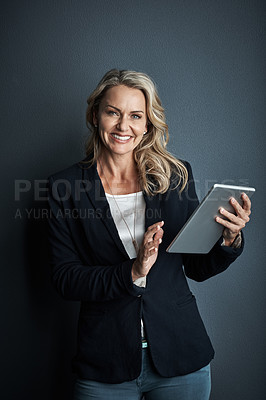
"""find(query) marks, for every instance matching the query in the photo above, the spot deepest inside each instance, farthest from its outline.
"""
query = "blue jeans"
(194, 386)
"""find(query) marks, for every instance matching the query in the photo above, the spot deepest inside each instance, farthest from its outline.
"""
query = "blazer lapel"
(93, 188)
(152, 212)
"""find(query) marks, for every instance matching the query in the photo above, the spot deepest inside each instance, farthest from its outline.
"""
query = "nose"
(122, 124)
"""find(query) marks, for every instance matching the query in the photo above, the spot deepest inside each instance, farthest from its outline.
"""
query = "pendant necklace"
(133, 238)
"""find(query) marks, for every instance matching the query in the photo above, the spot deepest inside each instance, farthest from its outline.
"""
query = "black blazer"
(90, 264)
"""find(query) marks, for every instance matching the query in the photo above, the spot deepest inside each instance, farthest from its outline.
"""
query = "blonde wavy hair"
(156, 166)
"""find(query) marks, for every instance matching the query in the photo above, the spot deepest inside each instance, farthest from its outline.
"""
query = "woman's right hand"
(148, 251)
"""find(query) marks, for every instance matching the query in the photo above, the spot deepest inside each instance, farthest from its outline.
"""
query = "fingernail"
(232, 200)
(160, 240)
(221, 210)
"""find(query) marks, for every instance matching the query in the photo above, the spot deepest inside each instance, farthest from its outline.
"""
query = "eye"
(113, 113)
(136, 116)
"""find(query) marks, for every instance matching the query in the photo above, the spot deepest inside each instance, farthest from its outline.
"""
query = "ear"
(146, 125)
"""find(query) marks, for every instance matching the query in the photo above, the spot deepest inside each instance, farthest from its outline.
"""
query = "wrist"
(134, 272)
(228, 242)
(235, 242)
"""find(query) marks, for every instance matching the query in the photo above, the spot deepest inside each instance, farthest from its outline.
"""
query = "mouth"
(120, 138)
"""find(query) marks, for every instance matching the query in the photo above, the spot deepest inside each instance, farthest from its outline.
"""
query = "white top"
(127, 204)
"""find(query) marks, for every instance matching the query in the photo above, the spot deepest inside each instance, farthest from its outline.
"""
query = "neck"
(119, 167)
(118, 173)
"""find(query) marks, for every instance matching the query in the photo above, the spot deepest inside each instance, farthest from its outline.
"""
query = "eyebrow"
(118, 109)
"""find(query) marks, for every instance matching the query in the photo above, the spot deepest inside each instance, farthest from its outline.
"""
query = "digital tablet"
(201, 231)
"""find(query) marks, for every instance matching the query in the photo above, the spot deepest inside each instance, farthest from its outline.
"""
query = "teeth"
(120, 137)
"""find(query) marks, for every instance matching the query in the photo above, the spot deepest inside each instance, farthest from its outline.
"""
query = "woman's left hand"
(234, 223)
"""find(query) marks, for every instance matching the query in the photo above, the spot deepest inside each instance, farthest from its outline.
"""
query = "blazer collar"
(93, 188)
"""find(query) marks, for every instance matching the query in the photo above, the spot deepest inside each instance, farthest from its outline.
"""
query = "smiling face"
(121, 119)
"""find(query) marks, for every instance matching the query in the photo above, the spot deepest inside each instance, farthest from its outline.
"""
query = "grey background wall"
(208, 59)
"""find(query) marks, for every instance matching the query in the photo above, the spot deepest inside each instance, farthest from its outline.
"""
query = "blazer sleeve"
(74, 280)
(200, 267)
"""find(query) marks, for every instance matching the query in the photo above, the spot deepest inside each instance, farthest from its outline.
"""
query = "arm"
(74, 280)
(200, 267)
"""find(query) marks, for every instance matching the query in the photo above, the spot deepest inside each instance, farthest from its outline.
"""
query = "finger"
(158, 235)
(234, 218)
(149, 246)
(235, 228)
(246, 203)
(151, 231)
(152, 244)
(238, 209)
(149, 250)
(160, 223)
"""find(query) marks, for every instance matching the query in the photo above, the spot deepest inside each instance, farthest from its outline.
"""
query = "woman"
(113, 216)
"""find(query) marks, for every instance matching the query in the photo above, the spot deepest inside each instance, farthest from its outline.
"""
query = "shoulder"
(175, 176)
(71, 173)
(189, 191)
(187, 165)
